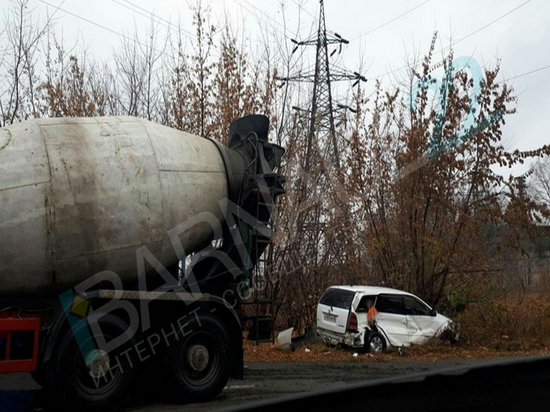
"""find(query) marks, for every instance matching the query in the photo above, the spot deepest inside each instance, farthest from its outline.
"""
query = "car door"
(422, 324)
(392, 319)
(333, 309)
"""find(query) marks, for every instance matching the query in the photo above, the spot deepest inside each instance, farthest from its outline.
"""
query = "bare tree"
(539, 182)
(18, 99)
(131, 75)
(200, 86)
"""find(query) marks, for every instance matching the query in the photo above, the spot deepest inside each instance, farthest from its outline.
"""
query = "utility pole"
(319, 188)
(321, 114)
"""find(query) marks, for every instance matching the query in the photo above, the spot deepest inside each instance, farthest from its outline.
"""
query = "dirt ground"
(263, 380)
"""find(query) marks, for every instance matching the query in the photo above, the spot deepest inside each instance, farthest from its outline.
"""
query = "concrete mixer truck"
(124, 242)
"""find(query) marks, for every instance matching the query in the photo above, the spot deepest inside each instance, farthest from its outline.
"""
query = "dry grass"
(520, 322)
(319, 352)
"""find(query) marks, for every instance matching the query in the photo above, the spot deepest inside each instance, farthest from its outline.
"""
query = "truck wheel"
(197, 359)
(103, 384)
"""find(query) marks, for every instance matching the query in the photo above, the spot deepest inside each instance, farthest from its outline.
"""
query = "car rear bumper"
(353, 339)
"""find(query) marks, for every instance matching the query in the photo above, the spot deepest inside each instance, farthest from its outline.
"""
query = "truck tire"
(100, 386)
(197, 361)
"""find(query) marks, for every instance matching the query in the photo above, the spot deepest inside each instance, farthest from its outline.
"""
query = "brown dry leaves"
(430, 352)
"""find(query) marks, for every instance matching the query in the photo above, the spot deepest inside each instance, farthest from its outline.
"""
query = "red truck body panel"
(12, 329)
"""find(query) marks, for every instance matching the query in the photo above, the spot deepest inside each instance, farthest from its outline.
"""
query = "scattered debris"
(287, 343)
(284, 339)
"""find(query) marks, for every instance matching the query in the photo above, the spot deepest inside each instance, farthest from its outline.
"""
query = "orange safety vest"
(371, 314)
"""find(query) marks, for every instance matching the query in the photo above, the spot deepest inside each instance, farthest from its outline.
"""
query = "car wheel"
(376, 343)
(197, 361)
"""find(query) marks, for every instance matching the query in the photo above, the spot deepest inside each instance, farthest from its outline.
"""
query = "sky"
(382, 34)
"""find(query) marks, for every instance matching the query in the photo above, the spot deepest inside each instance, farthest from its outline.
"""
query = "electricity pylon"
(321, 114)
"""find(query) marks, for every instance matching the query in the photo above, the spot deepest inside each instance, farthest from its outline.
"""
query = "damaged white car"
(400, 318)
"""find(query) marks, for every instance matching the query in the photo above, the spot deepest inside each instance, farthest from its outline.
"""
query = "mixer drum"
(81, 195)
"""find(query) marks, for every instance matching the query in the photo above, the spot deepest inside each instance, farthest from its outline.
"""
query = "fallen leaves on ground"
(319, 352)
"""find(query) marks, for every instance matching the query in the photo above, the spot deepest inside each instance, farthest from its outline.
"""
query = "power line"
(152, 16)
(391, 21)
(122, 36)
(494, 21)
(271, 18)
(526, 73)
(263, 12)
(307, 12)
(310, 14)
(83, 18)
(377, 28)
(167, 24)
(268, 16)
(459, 40)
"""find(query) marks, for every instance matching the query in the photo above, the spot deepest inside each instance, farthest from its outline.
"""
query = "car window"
(362, 306)
(328, 297)
(338, 298)
(413, 306)
(390, 304)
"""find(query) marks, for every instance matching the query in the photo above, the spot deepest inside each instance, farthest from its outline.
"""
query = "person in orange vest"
(371, 313)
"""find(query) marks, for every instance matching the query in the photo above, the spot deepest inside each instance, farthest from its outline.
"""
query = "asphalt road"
(263, 380)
